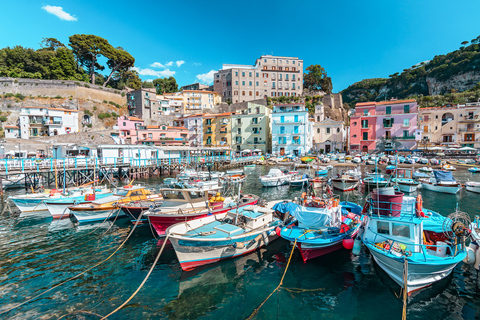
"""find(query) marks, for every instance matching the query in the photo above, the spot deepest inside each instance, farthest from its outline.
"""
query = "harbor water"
(37, 253)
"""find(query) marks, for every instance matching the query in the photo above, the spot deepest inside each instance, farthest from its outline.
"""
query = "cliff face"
(458, 70)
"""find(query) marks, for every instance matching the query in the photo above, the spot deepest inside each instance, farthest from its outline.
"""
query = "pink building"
(388, 125)
(362, 128)
(127, 126)
(160, 135)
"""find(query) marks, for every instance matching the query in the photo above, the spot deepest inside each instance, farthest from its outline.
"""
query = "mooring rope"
(255, 312)
(76, 276)
(143, 282)
(405, 289)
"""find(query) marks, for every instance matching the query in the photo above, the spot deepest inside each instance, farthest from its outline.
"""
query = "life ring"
(128, 187)
(366, 207)
(419, 207)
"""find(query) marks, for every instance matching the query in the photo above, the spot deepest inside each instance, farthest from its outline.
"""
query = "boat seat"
(228, 229)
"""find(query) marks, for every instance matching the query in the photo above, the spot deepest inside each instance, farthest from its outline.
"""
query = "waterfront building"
(292, 131)
(194, 124)
(457, 126)
(127, 126)
(143, 103)
(386, 125)
(251, 128)
(42, 121)
(196, 86)
(217, 130)
(195, 101)
(328, 135)
(270, 76)
(162, 135)
(12, 132)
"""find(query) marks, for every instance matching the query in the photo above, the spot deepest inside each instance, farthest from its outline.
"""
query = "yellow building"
(200, 100)
(217, 130)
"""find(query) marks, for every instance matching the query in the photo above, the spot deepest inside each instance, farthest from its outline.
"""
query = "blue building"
(292, 131)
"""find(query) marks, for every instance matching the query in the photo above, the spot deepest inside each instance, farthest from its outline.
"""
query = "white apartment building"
(270, 76)
(41, 121)
(328, 135)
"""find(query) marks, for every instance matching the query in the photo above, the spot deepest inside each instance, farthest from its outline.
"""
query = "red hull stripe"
(189, 265)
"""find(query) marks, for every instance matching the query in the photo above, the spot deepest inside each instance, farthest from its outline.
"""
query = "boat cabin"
(252, 217)
(134, 192)
(175, 197)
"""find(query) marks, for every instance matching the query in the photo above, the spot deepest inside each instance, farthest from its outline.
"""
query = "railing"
(471, 129)
(407, 137)
(15, 166)
(287, 121)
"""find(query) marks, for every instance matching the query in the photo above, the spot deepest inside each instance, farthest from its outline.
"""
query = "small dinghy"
(474, 169)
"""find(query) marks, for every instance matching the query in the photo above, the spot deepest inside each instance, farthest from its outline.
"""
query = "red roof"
(14, 127)
(178, 128)
(152, 127)
(135, 119)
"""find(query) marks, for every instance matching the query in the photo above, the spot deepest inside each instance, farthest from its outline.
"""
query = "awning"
(467, 149)
(247, 150)
(257, 150)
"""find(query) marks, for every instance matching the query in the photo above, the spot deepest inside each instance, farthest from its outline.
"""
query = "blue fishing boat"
(376, 181)
(414, 246)
(323, 226)
(474, 169)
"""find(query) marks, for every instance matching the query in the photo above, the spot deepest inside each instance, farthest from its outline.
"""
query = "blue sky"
(352, 40)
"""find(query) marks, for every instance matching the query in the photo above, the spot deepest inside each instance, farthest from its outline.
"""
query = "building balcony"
(253, 142)
(287, 121)
(53, 123)
(468, 118)
(367, 127)
(407, 137)
(468, 129)
(388, 125)
(208, 132)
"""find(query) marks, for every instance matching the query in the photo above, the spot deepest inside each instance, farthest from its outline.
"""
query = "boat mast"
(238, 201)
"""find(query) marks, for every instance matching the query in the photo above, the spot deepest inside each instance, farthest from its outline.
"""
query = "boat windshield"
(121, 192)
(172, 194)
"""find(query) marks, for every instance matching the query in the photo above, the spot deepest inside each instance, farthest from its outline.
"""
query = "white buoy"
(470, 257)
(476, 265)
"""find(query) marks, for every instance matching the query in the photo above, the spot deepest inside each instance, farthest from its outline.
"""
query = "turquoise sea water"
(37, 252)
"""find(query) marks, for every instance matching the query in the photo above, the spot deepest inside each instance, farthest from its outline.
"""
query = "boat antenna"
(238, 201)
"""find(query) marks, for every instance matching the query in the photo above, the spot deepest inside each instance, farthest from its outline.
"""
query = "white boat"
(226, 235)
(299, 180)
(36, 201)
(442, 181)
(449, 167)
(473, 186)
(398, 232)
(423, 161)
(235, 171)
(404, 180)
(274, 178)
(357, 160)
(425, 169)
(345, 183)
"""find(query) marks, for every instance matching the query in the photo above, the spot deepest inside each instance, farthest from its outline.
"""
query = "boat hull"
(409, 188)
(269, 182)
(442, 189)
(473, 188)
(309, 252)
(59, 209)
(30, 205)
(87, 216)
(419, 275)
(345, 185)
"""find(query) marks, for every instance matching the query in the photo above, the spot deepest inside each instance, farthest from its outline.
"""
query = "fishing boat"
(321, 171)
(404, 181)
(418, 175)
(59, 208)
(222, 236)
(423, 161)
(390, 169)
(179, 206)
(299, 180)
(323, 226)
(442, 181)
(134, 209)
(449, 167)
(36, 201)
(425, 169)
(307, 159)
(473, 186)
(434, 161)
(235, 171)
(357, 160)
(347, 177)
(103, 209)
(474, 169)
(275, 177)
(249, 166)
(376, 181)
(169, 182)
(414, 246)
(234, 178)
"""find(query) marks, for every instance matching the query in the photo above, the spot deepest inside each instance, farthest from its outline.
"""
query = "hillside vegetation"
(450, 78)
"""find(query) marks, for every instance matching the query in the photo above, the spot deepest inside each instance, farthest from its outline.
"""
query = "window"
(286, 69)
(365, 136)
(257, 93)
(383, 227)
(286, 77)
(239, 130)
(295, 119)
(236, 73)
(249, 74)
(236, 83)
(256, 83)
(273, 85)
(243, 93)
(365, 112)
(256, 130)
(243, 74)
(318, 130)
(235, 93)
(150, 136)
(388, 110)
(250, 83)
(124, 124)
(280, 68)
(243, 83)
(250, 93)
(400, 230)
(387, 122)
(293, 69)
(273, 68)
(293, 77)
(406, 108)
(282, 129)
(295, 129)
(425, 118)
(364, 124)
(256, 74)
(279, 76)
(338, 130)
(328, 130)
(406, 123)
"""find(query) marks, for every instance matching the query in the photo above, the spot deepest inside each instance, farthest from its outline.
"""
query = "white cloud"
(197, 64)
(155, 73)
(169, 64)
(179, 63)
(58, 11)
(157, 65)
(206, 78)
